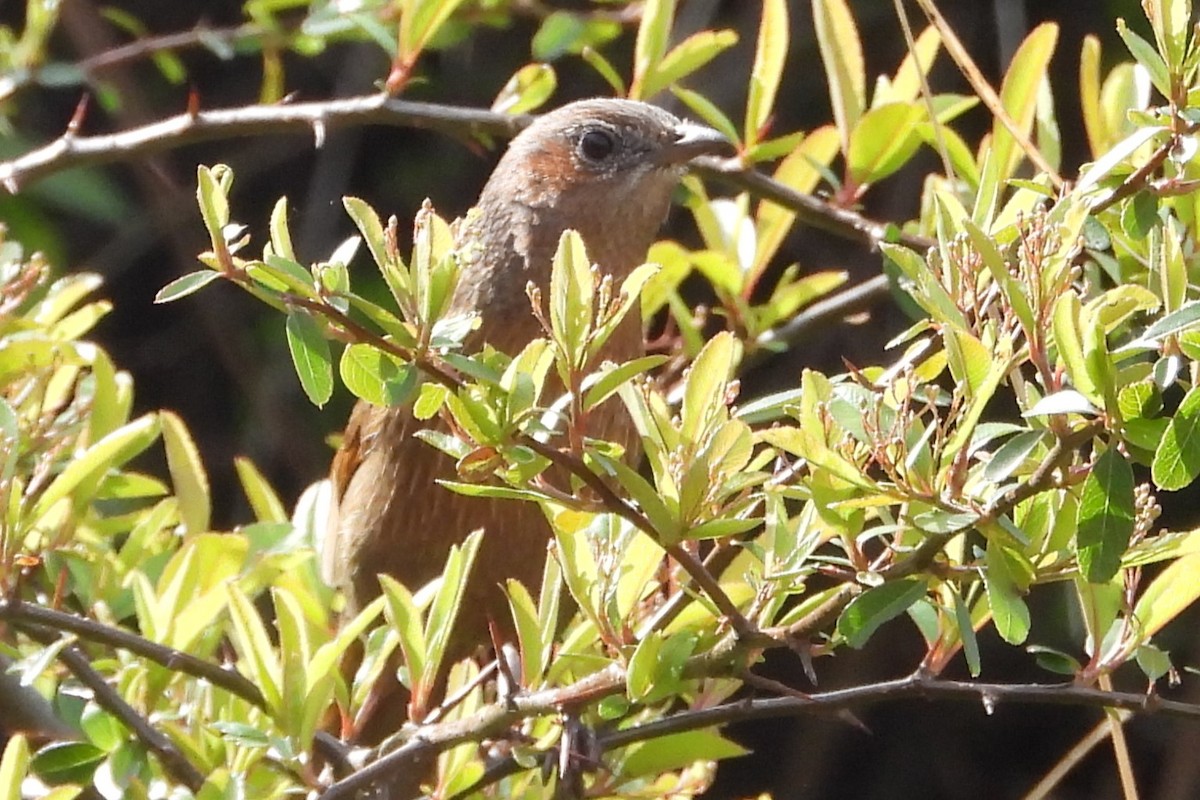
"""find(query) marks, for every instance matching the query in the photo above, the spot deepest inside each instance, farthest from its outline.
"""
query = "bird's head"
(603, 167)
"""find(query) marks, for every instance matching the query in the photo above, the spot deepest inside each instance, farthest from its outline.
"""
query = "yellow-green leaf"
(841, 52)
(1019, 94)
(765, 74)
(187, 473)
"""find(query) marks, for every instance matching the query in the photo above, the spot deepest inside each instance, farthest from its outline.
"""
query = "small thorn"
(77, 118)
(193, 103)
(318, 127)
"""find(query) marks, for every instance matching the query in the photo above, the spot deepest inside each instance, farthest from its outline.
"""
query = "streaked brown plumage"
(606, 168)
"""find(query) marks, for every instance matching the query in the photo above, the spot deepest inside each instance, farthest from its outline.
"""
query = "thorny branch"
(917, 685)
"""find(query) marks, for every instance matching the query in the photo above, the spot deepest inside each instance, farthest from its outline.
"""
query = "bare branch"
(917, 685)
(68, 151)
(22, 613)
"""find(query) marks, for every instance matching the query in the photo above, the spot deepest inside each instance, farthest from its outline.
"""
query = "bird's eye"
(596, 144)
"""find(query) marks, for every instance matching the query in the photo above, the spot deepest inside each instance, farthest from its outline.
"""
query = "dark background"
(219, 359)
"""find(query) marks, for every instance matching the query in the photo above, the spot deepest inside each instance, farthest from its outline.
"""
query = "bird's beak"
(693, 140)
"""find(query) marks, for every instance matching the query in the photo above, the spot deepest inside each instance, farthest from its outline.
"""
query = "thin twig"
(984, 90)
(21, 613)
(110, 700)
(816, 317)
(810, 210)
(1072, 757)
(432, 739)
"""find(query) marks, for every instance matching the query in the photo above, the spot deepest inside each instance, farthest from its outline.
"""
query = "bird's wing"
(362, 479)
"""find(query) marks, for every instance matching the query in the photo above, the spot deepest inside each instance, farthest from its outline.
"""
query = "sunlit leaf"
(310, 356)
(874, 607)
(1106, 515)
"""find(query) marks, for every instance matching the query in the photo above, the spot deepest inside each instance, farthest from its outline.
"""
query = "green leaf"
(1139, 215)
(1171, 592)
(882, 141)
(13, 767)
(801, 171)
(1089, 94)
(841, 52)
(1103, 166)
(281, 237)
(927, 291)
(1009, 612)
(211, 187)
(1153, 662)
(377, 377)
(529, 88)
(263, 500)
(708, 111)
(185, 285)
(605, 69)
(675, 751)
(563, 32)
(405, 618)
(1182, 319)
(966, 633)
(1019, 94)
(102, 728)
(446, 603)
(1067, 401)
(1148, 57)
(310, 356)
(530, 635)
(421, 22)
(906, 85)
(1117, 305)
(865, 613)
(769, 56)
(704, 395)
(187, 473)
(601, 385)
(969, 359)
(112, 451)
(1106, 516)
(253, 644)
(1053, 660)
(1171, 23)
(1068, 338)
(490, 490)
(369, 225)
(571, 289)
(643, 667)
(686, 57)
(1177, 459)
(1010, 455)
(67, 762)
(653, 34)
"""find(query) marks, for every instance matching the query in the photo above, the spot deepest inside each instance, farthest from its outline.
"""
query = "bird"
(606, 168)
